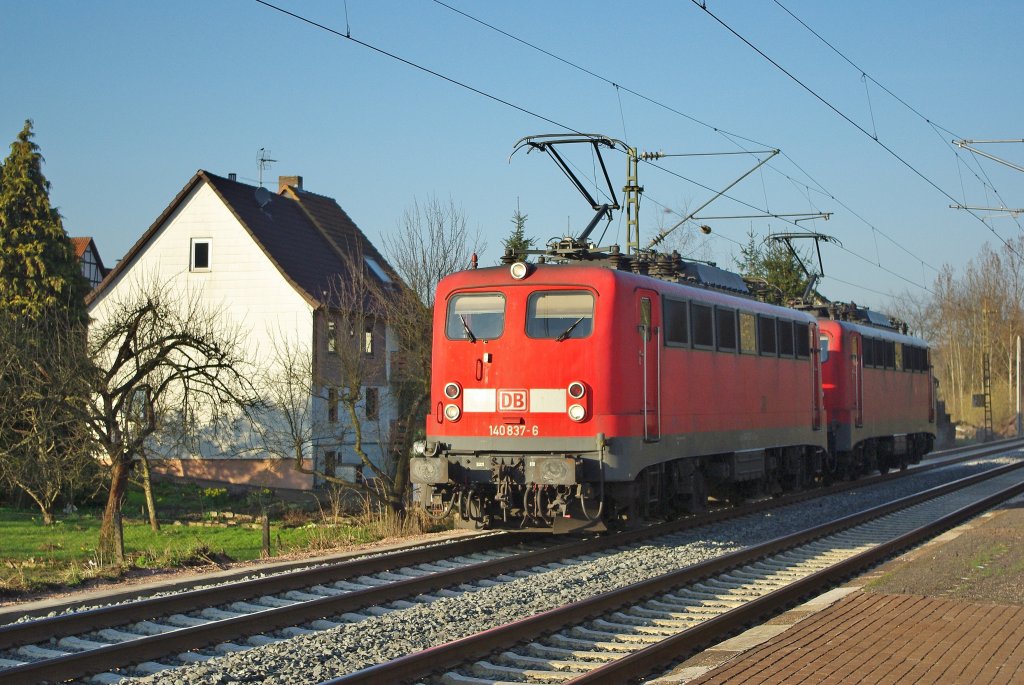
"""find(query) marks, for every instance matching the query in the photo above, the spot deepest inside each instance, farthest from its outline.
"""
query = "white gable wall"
(242, 283)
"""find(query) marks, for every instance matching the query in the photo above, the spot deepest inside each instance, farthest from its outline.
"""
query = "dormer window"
(200, 255)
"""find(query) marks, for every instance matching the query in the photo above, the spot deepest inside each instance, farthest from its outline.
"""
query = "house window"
(372, 404)
(330, 462)
(200, 258)
(368, 341)
(332, 405)
(332, 337)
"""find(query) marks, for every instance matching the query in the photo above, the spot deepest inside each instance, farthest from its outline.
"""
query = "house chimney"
(232, 176)
(285, 181)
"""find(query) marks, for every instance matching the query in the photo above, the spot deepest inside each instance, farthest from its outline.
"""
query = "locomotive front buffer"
(525, 492)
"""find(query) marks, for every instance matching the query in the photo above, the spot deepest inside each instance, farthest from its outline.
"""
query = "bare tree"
(977, 312)
(153, 350)
(431, 242)
(297, 418)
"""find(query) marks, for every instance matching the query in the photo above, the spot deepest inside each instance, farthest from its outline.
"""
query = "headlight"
(452, 412)
(519, 270)
(577, 412)
(577, 390)
(452, 390)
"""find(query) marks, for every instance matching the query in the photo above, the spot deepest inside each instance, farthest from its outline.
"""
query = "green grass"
(35, 556)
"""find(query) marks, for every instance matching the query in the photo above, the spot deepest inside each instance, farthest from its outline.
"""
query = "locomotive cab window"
(677, 323)
(476, 316)
(560, 314)
(725, 329)
(823, 340)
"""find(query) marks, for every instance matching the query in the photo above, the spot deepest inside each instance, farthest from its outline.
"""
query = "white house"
(270, 263)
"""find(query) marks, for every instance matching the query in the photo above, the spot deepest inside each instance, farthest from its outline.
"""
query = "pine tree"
(773, 264)
(517, 240)
(44, 372)
(38, 269)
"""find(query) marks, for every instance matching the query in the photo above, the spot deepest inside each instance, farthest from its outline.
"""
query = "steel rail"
(432, 660)
(644, 661)
(305, 573)
(27, 632)
(184, 639)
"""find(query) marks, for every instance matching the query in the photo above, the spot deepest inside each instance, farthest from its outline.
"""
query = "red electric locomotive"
(879, 393)
(567, 396)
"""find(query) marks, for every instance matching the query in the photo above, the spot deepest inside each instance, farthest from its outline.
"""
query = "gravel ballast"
(330, 653)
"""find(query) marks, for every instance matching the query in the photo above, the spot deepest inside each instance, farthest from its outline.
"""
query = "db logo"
(511, 400)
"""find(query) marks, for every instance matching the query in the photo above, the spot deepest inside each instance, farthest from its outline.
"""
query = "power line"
(868, 77)
(524, 110)
(703, 6)
(418, 66)
(732, 137)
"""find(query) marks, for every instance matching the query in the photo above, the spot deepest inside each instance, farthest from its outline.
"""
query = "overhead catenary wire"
(731, 136)
(415, 65)
(541, 117)
(895, 155)
(986, 183)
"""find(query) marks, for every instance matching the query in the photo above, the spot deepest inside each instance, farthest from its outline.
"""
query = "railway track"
(197, 625)
(620, 636)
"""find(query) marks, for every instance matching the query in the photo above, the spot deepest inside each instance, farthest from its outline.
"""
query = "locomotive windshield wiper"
(465, 327)
(565, 334)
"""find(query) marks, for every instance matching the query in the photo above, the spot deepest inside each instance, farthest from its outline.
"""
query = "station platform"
(950, 611)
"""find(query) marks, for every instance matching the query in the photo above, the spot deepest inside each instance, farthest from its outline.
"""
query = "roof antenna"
(264, 162)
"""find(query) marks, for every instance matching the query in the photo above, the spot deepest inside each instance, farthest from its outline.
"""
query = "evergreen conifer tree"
(38, 269)
(773, 264)
(517, 240)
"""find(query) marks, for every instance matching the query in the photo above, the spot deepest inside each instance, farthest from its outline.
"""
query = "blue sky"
(129, 99)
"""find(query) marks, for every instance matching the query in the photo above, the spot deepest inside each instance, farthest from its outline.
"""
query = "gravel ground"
(980, 561)
(319, 656)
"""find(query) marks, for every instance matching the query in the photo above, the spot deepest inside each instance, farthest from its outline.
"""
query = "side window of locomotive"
(785, 338)
(766, 331)
(748, 333)
(869, 352)
(725, 328)
(823, 341)
(889, 348)
(703, 326)
(677, 323)
(803, 340)
(476, 316)
(560, 314)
